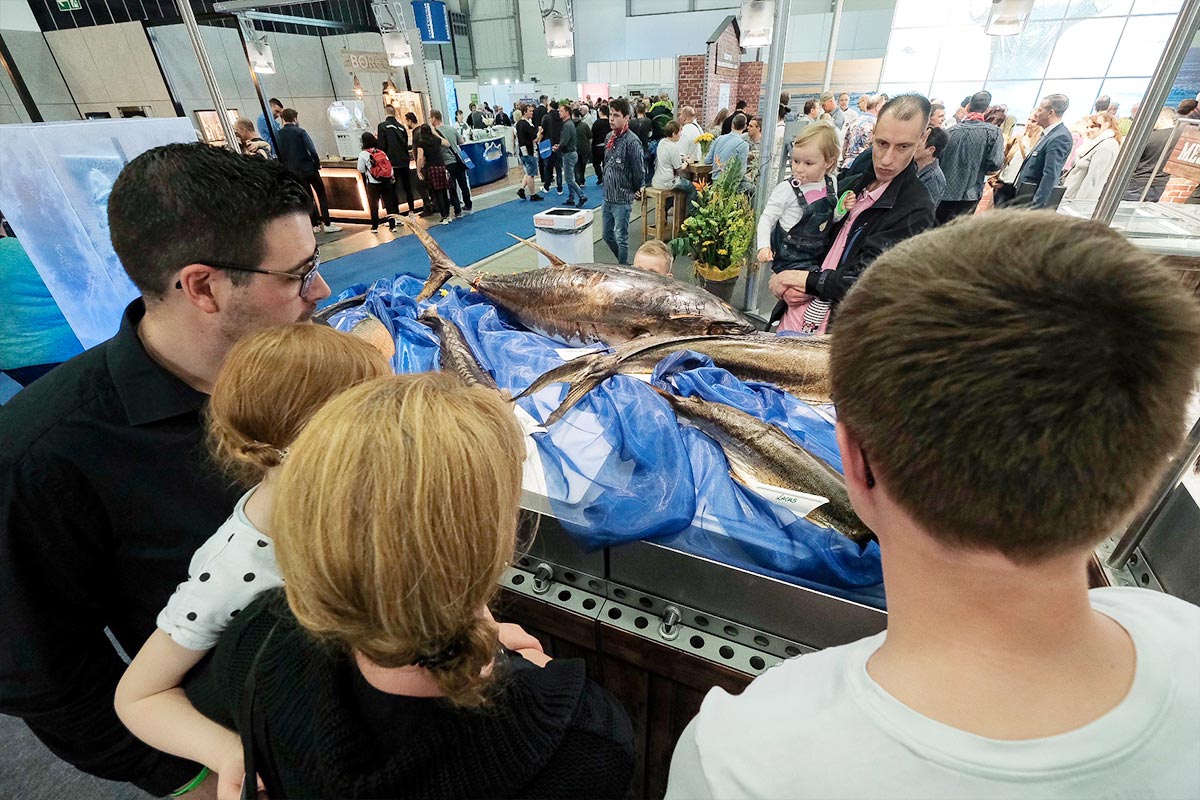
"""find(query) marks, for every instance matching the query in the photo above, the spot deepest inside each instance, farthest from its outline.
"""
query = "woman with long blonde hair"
(269, 386)
(1094, 159)
(384, 675)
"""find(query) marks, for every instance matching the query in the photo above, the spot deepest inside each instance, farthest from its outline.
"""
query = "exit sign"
(69, 5)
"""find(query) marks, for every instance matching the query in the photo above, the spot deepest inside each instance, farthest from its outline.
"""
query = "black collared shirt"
(106, 489)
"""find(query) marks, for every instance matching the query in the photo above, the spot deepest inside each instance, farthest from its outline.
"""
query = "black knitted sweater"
(549, 733)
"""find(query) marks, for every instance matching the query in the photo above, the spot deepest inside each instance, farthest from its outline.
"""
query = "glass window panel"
(1099, 8)
(1141, 46)
(1157, 6)
(920, 13)
(911, 55)
(638, 7)
(966, 53)
(705, 5)
(1021, 97)
(1026, 55)
(1049, 9)
(1126, 92)
(1085, 47)
(1081, 93)
(893, 89)
(952, 93)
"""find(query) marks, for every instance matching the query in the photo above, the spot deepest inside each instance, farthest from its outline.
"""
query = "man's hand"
(765, 255)
(789, 285)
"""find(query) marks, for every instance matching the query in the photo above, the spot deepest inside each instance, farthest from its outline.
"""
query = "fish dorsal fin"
(554, 260)
(437, 256)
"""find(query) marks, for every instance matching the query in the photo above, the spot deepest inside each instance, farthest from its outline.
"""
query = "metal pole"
(1156, 94)
(189, 22)
(766, 172)
(833, 35)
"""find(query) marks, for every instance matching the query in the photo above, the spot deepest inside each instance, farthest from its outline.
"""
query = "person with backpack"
(377, 171)
(393, 140)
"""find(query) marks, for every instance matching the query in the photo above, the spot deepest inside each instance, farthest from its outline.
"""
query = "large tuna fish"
(760, 452)
(797, 364)
(588, 303)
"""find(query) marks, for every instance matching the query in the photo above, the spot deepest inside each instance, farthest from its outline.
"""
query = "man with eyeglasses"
(106, 488)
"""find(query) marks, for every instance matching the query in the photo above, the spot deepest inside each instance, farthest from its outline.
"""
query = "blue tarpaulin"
(619, 467)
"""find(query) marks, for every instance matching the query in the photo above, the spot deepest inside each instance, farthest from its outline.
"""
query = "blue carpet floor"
(470, 239)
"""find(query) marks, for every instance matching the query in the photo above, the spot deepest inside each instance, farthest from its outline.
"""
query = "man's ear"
(854, 462)
(197, 282)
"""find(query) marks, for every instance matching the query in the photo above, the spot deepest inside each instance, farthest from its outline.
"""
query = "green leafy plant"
(720, 230)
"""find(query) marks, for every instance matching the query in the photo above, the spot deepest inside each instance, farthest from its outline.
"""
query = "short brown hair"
(1023, 405)
(272, 382)
(671, 128)
(904, 107)
(289, 115)
(396, 513)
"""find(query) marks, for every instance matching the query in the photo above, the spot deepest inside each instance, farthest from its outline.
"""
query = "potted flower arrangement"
(719, 232)
(705, 141)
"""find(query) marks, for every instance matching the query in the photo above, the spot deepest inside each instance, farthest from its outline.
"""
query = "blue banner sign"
(432, 21)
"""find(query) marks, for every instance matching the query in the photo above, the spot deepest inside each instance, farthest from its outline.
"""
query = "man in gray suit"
(1041, 171)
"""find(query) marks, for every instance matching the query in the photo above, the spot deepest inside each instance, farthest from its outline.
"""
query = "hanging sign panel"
(432, 21)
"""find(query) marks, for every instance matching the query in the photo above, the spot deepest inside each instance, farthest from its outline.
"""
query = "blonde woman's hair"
(1109, 122)
(395, 515)
(272, 382)
(824, 137)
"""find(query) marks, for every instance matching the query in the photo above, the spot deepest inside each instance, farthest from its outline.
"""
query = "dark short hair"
(554, 104)
(739, 105)
(641, 107)
(979, 102)
(543, 97)
(671, 128)
(620, 105)
(472, 106)
(1103, 102)
(576, 114)
(1186, 107)
(966, 101)
(369, 140)
(435, 114)
(602, 109)
(390, 109)
(275, 101)
(936, 139)
(906, 107)
(809, 105)
(182, 204)
(739, 121)
(1026, 410)
(1059, 103)
(410, 117)
(289, 114)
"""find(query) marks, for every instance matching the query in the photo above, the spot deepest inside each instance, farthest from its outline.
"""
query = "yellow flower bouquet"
(720, 229)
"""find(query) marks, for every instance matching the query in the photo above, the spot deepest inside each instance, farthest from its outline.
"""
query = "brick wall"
(1178, 190)
(689, 83)
(750, 86)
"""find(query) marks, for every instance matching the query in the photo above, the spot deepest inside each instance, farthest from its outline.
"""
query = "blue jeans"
(616, 229)
(569, 160)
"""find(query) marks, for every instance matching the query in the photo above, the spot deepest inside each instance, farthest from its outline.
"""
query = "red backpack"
(381, 167)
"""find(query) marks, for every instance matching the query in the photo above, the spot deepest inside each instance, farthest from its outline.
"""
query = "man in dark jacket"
(299, 154)
(1043, 167)
(600, 131)
(583, 145)
(891, 205)
(973, 149)
(552, 164)
(393, 140)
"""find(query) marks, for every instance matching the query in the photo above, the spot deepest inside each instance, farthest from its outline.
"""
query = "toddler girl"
(793, 232)
(269, 386)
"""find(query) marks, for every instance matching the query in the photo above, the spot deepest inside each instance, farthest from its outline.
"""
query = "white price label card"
(572, 353)
(799, 503)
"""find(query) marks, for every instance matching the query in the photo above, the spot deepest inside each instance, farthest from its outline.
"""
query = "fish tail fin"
(554, 260)
(568, 372)
(441, 267)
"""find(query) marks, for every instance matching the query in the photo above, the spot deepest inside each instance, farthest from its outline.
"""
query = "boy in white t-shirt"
(997, 418)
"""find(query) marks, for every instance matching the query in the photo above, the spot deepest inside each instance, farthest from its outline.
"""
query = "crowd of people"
(300, 547)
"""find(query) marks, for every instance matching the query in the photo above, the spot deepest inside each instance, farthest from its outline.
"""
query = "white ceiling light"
(389, 15)
(560, 34)
(1008, 17)
(257, 50)
(757, 22)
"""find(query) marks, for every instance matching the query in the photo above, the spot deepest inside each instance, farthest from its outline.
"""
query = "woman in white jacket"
(1095, 159)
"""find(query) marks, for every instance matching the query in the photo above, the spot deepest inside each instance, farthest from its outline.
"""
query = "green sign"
(474, 98)
(69, 5)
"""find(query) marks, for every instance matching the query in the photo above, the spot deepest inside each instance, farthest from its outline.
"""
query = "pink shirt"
(794, 316)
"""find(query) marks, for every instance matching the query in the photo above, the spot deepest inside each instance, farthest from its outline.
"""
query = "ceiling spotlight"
(390, 17)
(507, 81)
(757, 22)
(1008, 17)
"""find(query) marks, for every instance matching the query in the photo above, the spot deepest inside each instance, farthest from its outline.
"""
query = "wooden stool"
(662, 227)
